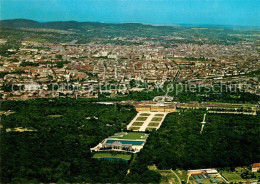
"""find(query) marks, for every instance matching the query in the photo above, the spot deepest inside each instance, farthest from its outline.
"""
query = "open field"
(232, 176)
(109, 155)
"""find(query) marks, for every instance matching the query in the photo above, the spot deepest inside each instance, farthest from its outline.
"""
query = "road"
(176, 176)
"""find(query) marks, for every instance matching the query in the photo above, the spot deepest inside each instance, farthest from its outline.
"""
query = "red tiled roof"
(256, 165)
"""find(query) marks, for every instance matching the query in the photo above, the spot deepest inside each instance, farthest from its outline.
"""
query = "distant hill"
(89, 31)
(93, 29)
(65, 25)
(18, 23)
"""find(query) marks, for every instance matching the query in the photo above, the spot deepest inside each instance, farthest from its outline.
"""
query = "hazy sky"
(220, 12)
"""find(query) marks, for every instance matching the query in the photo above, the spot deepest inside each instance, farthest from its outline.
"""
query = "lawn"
(119, 134)
(232, 176)
(144, 114)
(109, 155)
(55, 116)
(133, 135)
(141, 118)
(160, 115)
(138, 123)
(156, 119)
(153, 124)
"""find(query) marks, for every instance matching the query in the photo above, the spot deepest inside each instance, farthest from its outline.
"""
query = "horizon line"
(144, 23)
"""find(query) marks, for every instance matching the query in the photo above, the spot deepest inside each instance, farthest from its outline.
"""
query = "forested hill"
(188, 33)
(81, 27)
(64, 25)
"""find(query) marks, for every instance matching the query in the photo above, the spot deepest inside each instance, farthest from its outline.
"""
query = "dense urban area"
(128, 103)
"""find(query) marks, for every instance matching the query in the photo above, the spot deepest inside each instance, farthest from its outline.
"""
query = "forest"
(59, 148)
(226, 141)
(63, 131)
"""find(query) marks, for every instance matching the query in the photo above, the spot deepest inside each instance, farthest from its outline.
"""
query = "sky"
(169, 12)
